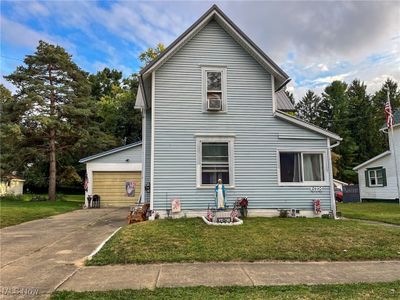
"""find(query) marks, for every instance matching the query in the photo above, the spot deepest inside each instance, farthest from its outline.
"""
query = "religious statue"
(220, 199)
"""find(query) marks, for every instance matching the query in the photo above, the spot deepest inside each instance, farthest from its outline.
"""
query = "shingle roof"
(283, 102)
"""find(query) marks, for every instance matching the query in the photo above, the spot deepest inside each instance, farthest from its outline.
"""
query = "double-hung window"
(375, 177)
(215, 161)
(214, 89)
(301, 167)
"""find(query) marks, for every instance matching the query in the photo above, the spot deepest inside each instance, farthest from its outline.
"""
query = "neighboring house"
(210, 111)
(108, 173)
(13, 186)
(377, 177)
(339, 184)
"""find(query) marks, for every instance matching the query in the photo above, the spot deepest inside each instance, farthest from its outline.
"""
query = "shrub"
(38, 198)
(11, 197)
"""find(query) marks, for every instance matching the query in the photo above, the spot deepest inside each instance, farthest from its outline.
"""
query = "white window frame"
(376, 178)
(324, 153)
(231, 153)
(223, 71)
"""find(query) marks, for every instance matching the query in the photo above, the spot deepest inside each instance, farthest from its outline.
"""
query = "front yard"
(16, 211)
(390, 290)
(382, 212)
(189, 240)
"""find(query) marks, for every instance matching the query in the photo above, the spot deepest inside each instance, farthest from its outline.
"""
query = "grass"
(390, 290)
(19, 210)
(382, 212)
(189, 240)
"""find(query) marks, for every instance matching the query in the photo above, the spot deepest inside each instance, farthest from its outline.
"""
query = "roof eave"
(366, 163)
(304, 124)
(215, 12)
(109, 152)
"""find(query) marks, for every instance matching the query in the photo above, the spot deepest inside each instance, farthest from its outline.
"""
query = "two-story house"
(212, 107)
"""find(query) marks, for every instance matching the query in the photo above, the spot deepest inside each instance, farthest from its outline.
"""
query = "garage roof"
(112, 151)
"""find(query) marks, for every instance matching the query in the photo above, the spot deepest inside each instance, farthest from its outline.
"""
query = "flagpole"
(396, 169)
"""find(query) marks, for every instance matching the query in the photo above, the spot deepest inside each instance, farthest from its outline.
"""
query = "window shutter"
(384, 177)
(366, 178)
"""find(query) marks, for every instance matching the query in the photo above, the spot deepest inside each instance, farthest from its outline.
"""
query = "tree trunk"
(52, 144)
(53, 166)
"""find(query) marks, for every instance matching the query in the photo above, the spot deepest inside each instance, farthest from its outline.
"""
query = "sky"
(313, 42)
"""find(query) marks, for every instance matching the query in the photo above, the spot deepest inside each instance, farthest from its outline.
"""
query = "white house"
(378, 177)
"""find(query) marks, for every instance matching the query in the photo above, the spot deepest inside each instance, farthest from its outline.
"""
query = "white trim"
(223, 91)
(332, 190)
(153, 110)
(231, 150)
(217, 135)
(109, 152)
(306, 125)
(371, 160)
(273, 94)
(114, 167)
(375, 177)
(302, 151)
(144, 124)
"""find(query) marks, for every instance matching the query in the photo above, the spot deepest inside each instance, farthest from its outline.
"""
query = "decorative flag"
(389, 113)
(86, 183)
(130, 188)
(176, 205)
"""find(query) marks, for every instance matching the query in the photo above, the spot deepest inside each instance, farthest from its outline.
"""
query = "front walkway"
(39, 255)
(227, 274)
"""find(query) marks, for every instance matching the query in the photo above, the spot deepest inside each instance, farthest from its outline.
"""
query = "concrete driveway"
(41, 254)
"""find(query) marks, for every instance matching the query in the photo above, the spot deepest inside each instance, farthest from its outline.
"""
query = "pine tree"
(55, 94)
(308, 107)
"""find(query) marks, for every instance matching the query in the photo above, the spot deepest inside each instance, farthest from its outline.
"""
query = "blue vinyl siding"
(179, 116)
(147, 163)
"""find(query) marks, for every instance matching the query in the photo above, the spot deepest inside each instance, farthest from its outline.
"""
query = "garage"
(111, 186)
(115, 175)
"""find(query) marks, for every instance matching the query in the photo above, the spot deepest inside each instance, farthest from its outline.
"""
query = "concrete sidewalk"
(226, 274)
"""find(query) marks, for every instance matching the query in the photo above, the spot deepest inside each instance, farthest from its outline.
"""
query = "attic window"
(214, 89)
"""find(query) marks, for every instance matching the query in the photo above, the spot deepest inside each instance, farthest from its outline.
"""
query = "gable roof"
(215, 13)
(283, 102)
(371, 160)
(307, 125)
(112, 151)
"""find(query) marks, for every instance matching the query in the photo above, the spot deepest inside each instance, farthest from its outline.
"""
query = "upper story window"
(301, 168)
(214, 89)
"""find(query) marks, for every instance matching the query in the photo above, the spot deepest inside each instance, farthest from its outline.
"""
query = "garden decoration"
(243, 203)
(220, 195)
(317, 206)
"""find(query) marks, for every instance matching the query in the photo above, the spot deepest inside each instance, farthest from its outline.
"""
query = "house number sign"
(316, 189)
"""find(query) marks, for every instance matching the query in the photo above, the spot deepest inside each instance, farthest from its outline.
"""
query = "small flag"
(389, 113)
(86, 183)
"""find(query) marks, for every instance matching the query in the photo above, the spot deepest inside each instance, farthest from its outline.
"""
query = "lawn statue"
(220, 196)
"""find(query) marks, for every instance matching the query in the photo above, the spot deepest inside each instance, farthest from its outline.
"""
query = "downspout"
(333, 201)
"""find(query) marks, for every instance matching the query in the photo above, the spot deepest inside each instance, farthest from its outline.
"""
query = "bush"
(38, 198)
(11, 197)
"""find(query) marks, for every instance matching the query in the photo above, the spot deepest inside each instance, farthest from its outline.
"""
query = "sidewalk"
(225, 274)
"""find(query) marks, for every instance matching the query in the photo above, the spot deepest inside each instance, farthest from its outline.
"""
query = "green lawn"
(390, 290)
(14, 212)
(188, 240)
(383, 212)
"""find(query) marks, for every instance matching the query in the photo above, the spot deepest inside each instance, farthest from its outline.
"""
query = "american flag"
(86, 183)
(389, 113)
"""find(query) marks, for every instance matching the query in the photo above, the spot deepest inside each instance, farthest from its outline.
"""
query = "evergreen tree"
(55, 94)
(308, 107)
(290, 96)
